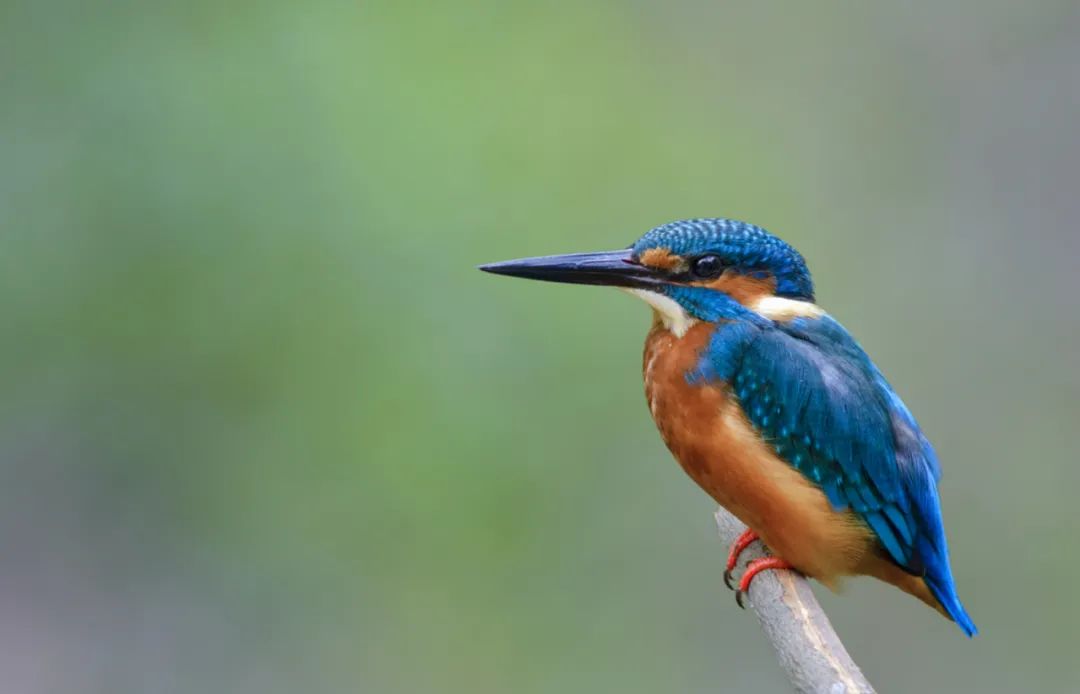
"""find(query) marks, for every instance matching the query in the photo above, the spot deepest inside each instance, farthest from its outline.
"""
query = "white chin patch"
(674, 318)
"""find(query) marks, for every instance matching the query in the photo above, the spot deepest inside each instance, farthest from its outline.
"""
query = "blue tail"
(945, 593)
(933, 550)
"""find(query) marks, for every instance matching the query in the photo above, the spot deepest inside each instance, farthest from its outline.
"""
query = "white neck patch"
(673, 316)
(782, 309)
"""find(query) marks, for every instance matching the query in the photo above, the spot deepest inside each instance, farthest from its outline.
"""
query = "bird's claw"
(753, 569)
(745, 539)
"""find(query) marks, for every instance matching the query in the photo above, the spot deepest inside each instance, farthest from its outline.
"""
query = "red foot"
(753, 569)
(741, 542)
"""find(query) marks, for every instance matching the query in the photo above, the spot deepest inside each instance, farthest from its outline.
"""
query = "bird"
(774, 410)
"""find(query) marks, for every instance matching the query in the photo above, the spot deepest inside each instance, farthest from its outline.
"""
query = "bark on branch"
(807, 647)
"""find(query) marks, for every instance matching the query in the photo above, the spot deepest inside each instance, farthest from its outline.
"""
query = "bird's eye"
(707, 267)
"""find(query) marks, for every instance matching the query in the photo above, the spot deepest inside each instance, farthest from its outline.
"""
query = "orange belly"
(705, 429)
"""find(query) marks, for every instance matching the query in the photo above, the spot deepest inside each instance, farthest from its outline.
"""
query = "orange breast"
(705, 429)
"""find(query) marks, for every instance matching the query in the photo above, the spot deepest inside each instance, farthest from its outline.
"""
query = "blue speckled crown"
(743, 245)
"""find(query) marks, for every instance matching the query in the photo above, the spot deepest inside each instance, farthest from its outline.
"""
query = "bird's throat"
(673, 317)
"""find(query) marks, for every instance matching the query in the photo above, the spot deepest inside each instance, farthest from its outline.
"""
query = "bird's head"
(691, 270)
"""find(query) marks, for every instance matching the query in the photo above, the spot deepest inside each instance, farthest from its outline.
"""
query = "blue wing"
(813, 393)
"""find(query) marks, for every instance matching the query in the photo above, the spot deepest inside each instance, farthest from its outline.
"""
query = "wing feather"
(812, 392)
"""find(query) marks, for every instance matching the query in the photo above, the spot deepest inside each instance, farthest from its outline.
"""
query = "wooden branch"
(808, 649)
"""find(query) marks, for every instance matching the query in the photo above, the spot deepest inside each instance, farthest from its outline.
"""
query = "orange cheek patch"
(662, 259)
(743, 288)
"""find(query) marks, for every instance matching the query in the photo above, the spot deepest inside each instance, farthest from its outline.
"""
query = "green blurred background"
(266, 429)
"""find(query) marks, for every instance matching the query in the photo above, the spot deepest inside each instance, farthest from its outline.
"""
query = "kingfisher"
(774, 409)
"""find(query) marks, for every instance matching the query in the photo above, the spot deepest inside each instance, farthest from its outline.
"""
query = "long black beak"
(610, 268)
